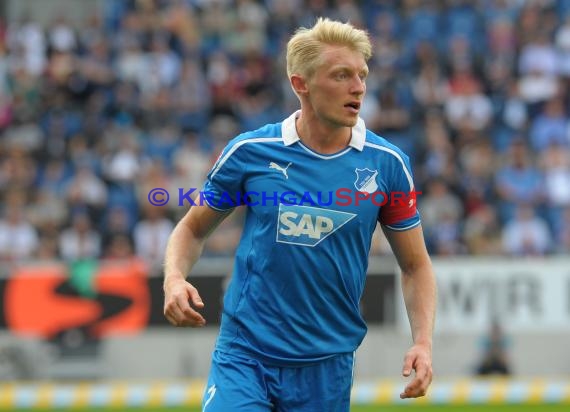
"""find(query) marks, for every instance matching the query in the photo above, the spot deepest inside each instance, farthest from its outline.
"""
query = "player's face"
(338, 86)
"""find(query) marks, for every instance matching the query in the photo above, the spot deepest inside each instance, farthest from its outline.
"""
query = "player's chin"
(350, 119)
(350, 122)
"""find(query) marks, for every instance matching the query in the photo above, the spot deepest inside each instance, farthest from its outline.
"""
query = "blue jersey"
(301, 263)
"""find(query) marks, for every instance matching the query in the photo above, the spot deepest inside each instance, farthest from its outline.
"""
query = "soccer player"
(311, 185)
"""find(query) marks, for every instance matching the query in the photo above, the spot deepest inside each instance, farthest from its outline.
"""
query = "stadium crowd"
(96, 113)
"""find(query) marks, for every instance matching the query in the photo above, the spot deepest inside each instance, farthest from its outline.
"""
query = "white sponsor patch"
(308, 226)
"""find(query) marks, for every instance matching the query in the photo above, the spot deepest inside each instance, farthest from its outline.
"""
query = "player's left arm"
(419, 290)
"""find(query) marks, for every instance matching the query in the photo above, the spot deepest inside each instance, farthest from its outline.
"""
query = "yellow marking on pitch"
(81, 395)
(118, 394)
(536, 390)
(44, 397)
(156, 394)
(566, 397)
(194, 392)
(460, 392)
(384, 392)
(7, 396)
(498, 391)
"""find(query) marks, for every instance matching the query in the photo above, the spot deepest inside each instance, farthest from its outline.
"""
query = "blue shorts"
(244, 385)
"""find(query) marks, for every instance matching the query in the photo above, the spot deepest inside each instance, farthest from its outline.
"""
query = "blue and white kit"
(301, 263)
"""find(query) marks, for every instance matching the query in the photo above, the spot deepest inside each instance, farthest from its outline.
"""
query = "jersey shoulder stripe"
(378, 143)
(267, 134)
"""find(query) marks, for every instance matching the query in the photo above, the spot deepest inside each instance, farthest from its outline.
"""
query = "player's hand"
(417, 359)
(181, 303)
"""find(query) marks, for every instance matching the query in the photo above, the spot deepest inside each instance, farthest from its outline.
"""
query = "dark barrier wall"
(112, 298)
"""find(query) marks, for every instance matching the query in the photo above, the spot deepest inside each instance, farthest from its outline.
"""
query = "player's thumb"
(408, 365)
(195, 298)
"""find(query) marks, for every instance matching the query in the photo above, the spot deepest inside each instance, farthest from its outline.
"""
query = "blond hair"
(304, 49)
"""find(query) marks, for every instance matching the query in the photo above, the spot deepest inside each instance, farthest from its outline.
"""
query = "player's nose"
(357, 86)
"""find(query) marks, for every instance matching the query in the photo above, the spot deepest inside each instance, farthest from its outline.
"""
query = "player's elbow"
(421, 263)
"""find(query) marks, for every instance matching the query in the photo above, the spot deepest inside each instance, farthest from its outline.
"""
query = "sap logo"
(308, 226)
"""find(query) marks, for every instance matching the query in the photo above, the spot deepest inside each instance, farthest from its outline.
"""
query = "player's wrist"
(424, 342)
(169, 278)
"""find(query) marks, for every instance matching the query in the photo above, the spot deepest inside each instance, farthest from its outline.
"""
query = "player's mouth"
(353, 107)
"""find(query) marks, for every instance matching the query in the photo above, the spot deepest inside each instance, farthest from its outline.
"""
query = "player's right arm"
(182, 300)
(223, 184)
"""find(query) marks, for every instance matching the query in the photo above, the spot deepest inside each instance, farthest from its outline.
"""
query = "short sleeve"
(400, 211)
(224, 183)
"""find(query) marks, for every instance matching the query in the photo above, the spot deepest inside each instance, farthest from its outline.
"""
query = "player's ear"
(299, 84)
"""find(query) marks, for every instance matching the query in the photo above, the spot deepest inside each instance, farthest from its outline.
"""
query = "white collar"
(290, 136)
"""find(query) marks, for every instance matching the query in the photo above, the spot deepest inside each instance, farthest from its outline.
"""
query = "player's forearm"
(182, 252)
(419, 289)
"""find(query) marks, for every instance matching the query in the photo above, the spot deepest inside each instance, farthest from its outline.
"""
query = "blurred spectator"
(48, 249)
(550, 126)
(87, 190)
(467, 108)
(477, 164)
(53, 177)
(47, 210)
(18, 171)
(495, 359)
(555, 163)
(80, 240)
(61, 36)
(191, 163)
(223, 242)
(512, 117)
(562, 43)
(27, 43)
(18, 238)
(562, 233)
(116, 222)
(122, 162)
(392, 116)
(119, 247)
(535, 87)
(518, 181)
(539, 55)
(482, 232)
(147, 92)
(191, 97)
(430, 87)
(151, 234)
(526, 234)
(437, 157)
(441, 212)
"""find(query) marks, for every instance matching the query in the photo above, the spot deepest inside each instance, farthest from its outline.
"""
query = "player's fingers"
(421, 370)
(173, 313)
(412, 390)
(179, 318)
(178, 312)
(419, 385)
(408, 365)
(190, 317)
(195, 297)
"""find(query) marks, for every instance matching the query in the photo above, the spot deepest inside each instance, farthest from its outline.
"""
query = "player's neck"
(320, 137)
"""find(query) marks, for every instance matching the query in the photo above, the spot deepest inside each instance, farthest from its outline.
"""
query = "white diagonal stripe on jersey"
(239, 144)
(397, 156)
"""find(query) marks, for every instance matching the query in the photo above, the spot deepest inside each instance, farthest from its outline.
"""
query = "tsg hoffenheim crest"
(366, 180)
